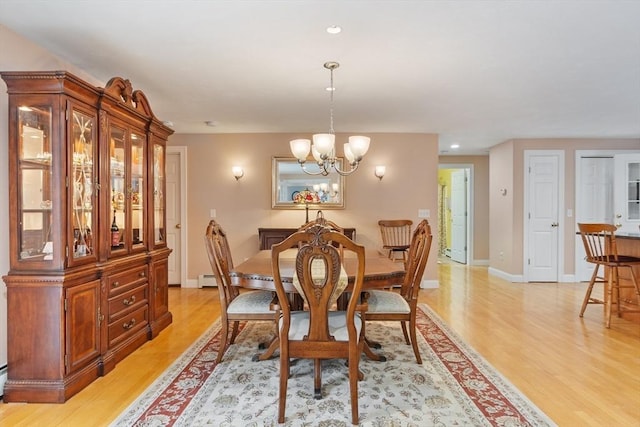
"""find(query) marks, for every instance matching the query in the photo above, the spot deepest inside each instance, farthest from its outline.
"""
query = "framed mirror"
(292, 188)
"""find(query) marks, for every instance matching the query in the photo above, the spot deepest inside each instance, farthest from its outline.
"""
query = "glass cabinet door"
(83, 201)
(118, 186)
(158, 194)
(627, 192)
(136, 189)
(35, 183)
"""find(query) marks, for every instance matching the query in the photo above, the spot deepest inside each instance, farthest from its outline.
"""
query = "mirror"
(291, 186)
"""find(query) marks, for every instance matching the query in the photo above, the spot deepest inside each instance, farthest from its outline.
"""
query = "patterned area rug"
(453, 387)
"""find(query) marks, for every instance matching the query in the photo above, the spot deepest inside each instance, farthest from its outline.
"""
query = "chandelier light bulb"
(324, 143)
(359, 146)
(349, 154)
(300, 148)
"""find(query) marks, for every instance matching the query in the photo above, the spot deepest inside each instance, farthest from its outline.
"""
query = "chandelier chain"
(332, 89)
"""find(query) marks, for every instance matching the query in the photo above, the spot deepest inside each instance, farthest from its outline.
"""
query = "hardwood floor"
(575, 370)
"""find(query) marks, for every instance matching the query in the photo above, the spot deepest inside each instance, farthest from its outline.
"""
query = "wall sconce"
(379, 172)
(237, 172)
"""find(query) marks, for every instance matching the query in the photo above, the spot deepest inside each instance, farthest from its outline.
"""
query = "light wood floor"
(575, 370)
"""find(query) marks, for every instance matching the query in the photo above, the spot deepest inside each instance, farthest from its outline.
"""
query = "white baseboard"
(191, 283)
(515, 278)
(429, 284)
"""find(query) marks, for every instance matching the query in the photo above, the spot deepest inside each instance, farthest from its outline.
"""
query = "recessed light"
(455, 146)
(334, 29)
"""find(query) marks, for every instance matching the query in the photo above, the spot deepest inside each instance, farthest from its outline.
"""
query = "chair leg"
(635, 284)
(414, 339)
(587, 296)
(284, 377)
(404, 332)
(317, 378)
(234, 334)
(354, 374)
(223, 341)
(609, 297)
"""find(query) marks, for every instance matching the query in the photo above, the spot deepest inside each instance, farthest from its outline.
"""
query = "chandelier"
(323, 148)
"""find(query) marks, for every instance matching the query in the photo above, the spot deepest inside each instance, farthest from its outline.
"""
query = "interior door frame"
(181, 151)
(528, 154)
(470, 205)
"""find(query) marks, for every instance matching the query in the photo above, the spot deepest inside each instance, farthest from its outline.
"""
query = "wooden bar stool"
(600, 246)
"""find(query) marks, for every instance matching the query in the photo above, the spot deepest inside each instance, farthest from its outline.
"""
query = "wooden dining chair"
(393, 305)
(235, 306)
(319, 333)
(321, 220)
(396, 236)
(600, 247)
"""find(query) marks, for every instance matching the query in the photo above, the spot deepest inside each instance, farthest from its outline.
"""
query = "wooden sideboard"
(271, 236)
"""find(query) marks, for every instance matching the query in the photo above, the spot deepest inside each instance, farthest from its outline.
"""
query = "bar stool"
(600, 246)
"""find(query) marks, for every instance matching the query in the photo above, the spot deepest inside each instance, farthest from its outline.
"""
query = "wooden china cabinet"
(88, 281)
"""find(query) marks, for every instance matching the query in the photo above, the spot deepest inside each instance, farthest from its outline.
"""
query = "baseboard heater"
(206, 280)
(3, 378)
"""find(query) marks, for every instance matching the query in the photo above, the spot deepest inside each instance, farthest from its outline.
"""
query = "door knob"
(618, 225)
(554, 224)
(618, 215)
(178, 226)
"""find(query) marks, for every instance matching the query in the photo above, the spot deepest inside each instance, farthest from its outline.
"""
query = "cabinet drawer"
(127, 301)
(120, 282)
(128, 325)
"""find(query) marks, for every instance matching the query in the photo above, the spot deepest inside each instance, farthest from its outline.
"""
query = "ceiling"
(477, 73)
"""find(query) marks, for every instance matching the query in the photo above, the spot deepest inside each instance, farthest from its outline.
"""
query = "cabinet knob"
(142, 274)
(115, 284)
(129, 301)
(129, 324)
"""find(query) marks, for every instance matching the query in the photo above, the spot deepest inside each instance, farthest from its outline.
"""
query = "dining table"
(255, 272)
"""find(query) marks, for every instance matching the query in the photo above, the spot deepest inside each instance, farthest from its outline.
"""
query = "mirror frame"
(302, 180)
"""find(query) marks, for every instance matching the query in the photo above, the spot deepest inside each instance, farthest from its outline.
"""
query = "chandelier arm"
(354, 167)
(322, 171)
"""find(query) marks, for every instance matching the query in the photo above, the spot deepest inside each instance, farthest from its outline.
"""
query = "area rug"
(453, 387)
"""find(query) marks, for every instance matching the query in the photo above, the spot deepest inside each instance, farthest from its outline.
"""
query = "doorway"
(176, 211)
(455, 213)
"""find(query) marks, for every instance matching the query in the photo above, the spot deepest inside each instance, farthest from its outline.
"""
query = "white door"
(174, 228)
(594, 198)
(543, 218)
(459, 216)
(626, 192)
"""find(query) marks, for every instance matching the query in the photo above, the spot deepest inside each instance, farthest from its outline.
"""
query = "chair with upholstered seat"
(600, 248)
(396, 236)
(319, 333)
(392, 305)
(235, 306)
